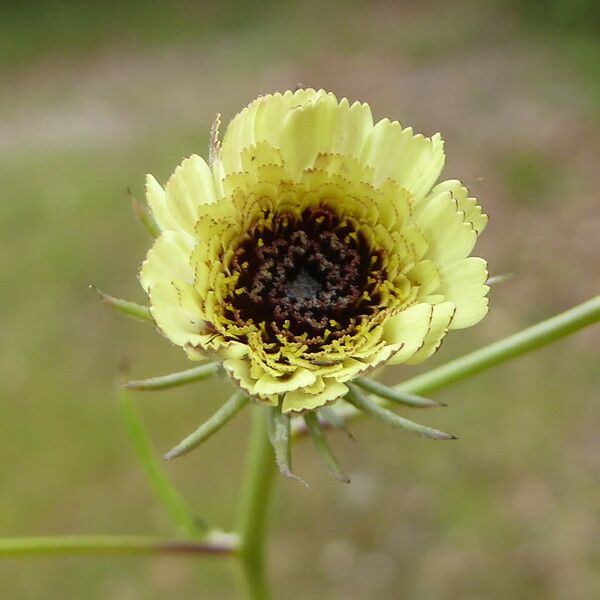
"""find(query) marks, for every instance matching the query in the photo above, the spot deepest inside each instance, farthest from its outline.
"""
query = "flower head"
(314, 247)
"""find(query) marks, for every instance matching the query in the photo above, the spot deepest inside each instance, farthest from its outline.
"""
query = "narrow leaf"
(235, 403)
(145, 217)
(364, 403)
(394, 394)
(174, 379)
(279, 433)
(167, 494)
(126, 307)
(323, 448)
(332, 418)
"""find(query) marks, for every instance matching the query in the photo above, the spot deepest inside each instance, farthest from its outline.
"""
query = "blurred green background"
(94, 95)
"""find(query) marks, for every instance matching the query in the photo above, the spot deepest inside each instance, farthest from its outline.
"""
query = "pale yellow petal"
(259, 155)
(300, 400)
(189, 187)
(463, 283)
(239, 370)
(300, 378)
(409, 328)
(260, 121)
(167, 260)
(181, 325)
(449, 236)
(472, 210)
(323, 126)
(350, 369)
(157, 202)
(413, 161)
(441, 319)
(234, 350)
(424, 275)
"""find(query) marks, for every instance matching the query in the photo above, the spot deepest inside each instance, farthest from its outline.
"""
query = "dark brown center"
(306, 275)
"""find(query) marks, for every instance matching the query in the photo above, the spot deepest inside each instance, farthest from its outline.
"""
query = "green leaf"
(131, 309)
(364, 403)
(279, 433)
(174, 379)
(167, 494)
(145, 217)
(394, 394)
(323, 448)
(235, 403)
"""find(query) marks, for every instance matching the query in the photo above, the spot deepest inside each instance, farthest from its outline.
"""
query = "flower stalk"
(254, 506)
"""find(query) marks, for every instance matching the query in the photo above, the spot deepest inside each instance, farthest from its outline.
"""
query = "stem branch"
(532, 338)
(86, 545)
(254, 507)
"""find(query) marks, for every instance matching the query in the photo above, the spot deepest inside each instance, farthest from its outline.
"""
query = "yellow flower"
(313, 248)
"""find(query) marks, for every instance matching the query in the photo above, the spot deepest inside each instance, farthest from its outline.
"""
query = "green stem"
(515, 345)
(254, 506)
(82, 545)
(532, 338)
(169, 496)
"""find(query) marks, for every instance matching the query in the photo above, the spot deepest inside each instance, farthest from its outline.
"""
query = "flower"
(313, 247)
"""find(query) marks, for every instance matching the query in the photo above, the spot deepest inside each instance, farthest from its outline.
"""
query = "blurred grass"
(30, 31)
(530, 177)
(96, 95)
